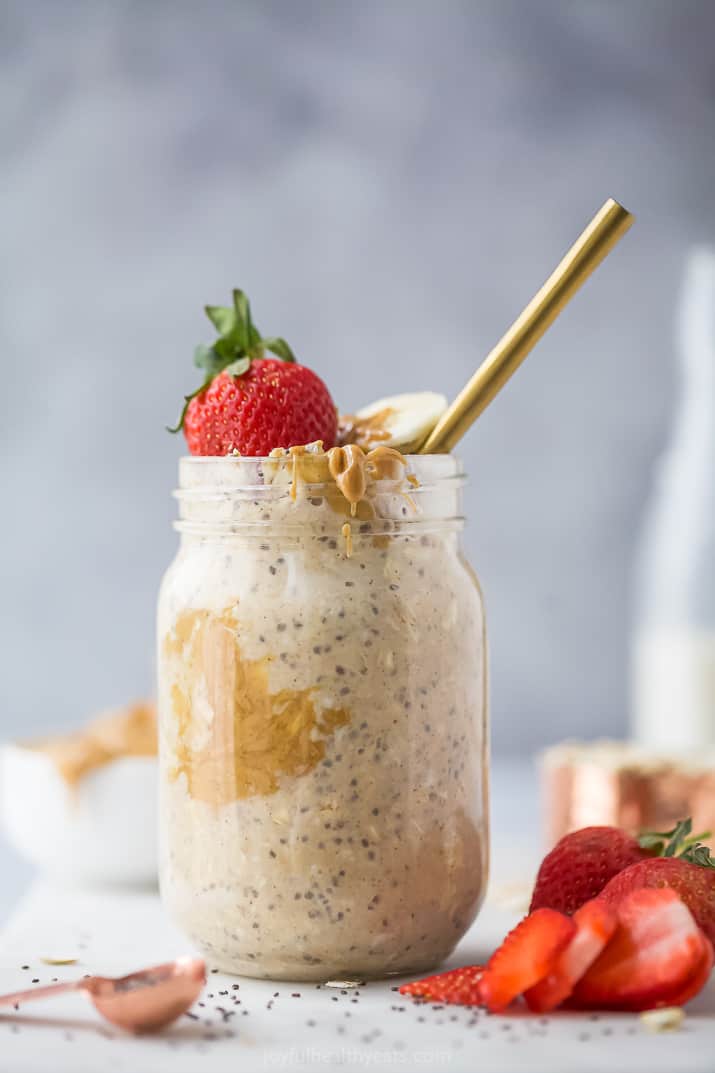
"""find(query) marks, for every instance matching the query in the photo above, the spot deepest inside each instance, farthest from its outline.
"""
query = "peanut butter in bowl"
(123, 732)
(81, 806)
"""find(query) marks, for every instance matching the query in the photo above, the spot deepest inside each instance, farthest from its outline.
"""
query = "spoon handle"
(608, 225)
(15, 998)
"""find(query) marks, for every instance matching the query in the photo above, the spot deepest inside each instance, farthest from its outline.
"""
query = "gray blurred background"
(390, 182)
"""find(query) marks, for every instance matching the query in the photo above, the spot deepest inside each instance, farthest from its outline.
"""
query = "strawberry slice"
(699, 978)
(595, 924)
(655, 953)
(457, 986)
(528, 953)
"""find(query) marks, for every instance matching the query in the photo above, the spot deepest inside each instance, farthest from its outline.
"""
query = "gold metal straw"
(608, 225)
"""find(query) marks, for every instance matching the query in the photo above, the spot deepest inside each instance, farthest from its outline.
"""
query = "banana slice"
(400, 421)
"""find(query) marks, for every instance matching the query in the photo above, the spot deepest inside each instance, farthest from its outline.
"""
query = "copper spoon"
(144, 1001)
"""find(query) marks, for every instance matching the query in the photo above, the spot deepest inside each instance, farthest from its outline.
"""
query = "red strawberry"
(250, 403)
(528, 953)
(595, 925)
(655, 953)
(457, 986)
(580, 865)
(272, 404)
(694, 883)
(699, 978)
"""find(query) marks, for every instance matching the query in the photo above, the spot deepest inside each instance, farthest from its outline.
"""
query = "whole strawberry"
(249, 403)
(580, 865)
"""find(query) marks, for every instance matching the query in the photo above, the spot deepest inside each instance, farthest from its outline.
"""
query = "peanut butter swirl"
(235, 738)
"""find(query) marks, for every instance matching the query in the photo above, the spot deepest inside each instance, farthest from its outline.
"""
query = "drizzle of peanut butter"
(296, 454)
(234, 737)
(126, 732)
(364, 431)
(350, 467)
(308, 464)
(348, 536)
(347, 468)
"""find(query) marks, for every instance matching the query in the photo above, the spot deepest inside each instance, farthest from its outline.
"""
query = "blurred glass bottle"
(673, 659)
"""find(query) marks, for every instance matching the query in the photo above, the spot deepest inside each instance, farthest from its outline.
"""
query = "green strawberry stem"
(239, 343)
(679, 842)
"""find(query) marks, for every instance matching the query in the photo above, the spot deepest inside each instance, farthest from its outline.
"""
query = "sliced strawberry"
(653, 955)
(694, 882)
(457, 986)
(595, 924)
(698, 980)
(528, 953)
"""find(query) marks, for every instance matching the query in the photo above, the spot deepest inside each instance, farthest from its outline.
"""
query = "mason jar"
(322, 718)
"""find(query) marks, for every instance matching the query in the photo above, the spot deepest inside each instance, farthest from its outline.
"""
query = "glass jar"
(323, 719)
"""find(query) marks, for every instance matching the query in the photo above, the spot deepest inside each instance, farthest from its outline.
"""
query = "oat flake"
(667, 1019)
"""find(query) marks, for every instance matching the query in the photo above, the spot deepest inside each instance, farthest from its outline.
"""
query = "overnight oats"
(322, 712)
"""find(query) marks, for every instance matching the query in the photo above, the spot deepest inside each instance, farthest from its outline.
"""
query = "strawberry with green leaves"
(644, 941)
(250, 403)
(583, 862)
(683, 864)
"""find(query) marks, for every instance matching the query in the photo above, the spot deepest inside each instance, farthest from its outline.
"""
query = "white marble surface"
(262, 1025)
(16, 879)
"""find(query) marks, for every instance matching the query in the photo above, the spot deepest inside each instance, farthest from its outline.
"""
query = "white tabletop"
(251, 1025)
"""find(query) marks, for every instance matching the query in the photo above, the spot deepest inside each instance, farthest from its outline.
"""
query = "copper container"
(609, 782)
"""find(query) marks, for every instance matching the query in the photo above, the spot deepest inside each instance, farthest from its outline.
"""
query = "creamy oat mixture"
(322, 706)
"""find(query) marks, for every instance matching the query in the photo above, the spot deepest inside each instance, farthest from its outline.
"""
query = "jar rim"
(224, 473)
(230, 493)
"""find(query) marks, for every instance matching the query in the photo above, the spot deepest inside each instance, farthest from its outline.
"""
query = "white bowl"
(103, 829)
